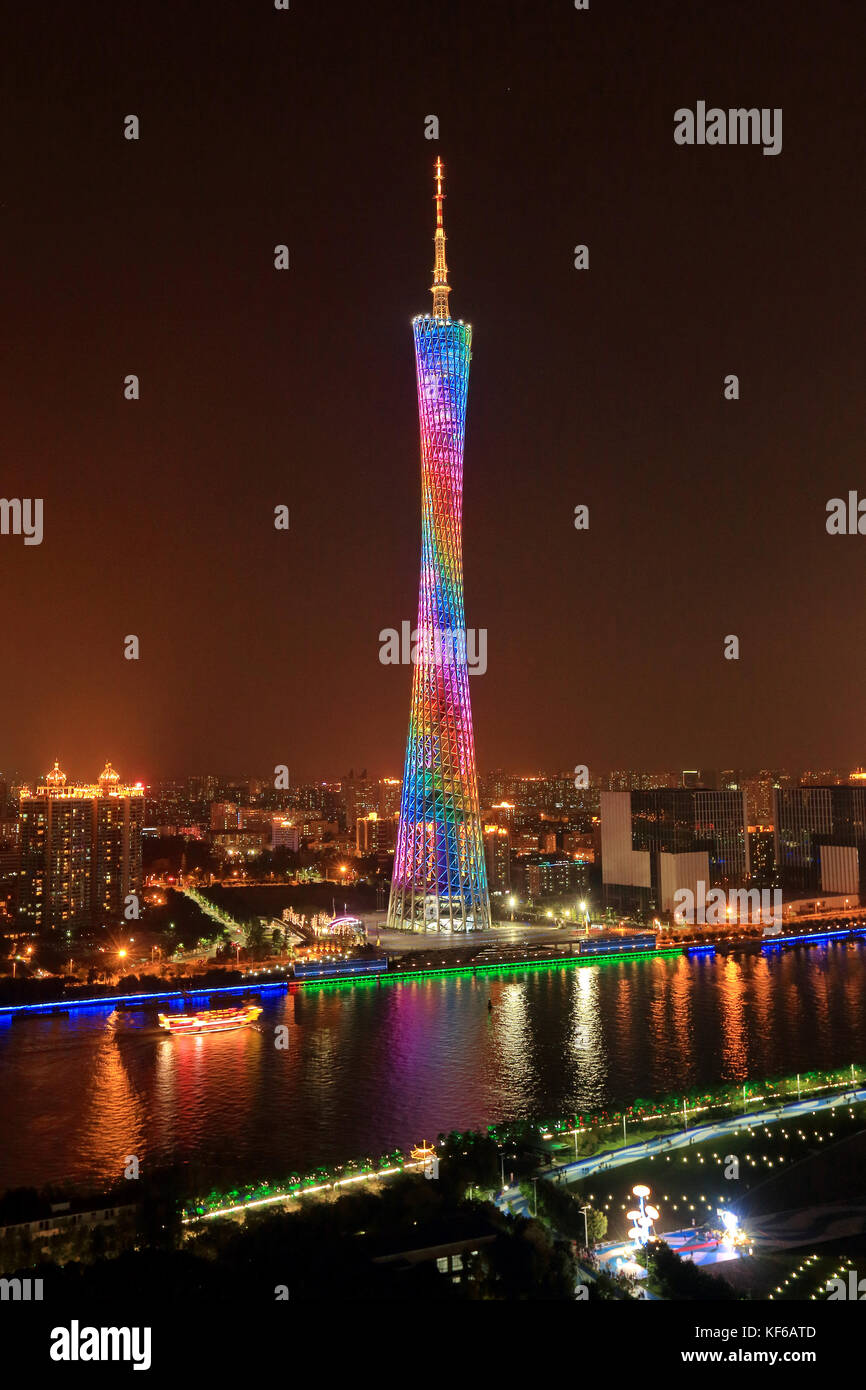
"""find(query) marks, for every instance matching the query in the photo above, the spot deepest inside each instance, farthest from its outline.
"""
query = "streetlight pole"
(535, 1196)
(584, 1211)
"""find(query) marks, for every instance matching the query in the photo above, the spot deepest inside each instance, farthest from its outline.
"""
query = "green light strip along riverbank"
(393, 977)
(267, 1194)
(302, 1188)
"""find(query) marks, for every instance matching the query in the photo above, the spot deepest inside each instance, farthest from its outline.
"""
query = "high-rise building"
(497, 850)
(360, 797)
(820, 840)
(118, 816)
(375, 834)
(224, 815)
(654, 843)
(762, 857)
(759, 797)
(439, 883)
(324, 799)
(628, 780)
(389, 796)
(284, 833)
(10, 866)
(549, 876)
(169, 808)
(80, 852)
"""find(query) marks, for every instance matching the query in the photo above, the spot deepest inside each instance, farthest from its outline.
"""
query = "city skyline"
(548, 987)
(19, 777)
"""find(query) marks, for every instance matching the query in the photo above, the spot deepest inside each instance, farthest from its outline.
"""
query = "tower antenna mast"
(440, 287)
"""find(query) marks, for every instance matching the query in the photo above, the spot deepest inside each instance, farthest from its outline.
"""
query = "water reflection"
(367, 1069)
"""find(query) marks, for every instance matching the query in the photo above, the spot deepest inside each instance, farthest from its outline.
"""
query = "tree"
(469, 1160)
(596, 1222)
(525, 1262)
(674, 1278)
(562, 1209)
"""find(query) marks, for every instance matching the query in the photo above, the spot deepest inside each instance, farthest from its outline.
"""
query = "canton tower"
(439, 882)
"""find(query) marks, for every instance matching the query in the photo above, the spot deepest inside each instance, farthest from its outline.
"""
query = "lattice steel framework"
(440, 880)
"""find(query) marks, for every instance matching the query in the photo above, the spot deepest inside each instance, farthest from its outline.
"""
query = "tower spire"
(440, 287)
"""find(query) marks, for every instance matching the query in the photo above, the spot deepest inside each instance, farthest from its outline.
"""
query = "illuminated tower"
(440, 881)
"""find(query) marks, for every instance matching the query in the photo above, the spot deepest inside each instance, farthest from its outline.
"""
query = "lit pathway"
(684, 1139)
(512, 1198)
(218, 915)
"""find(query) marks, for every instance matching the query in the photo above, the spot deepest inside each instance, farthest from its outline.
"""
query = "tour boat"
(210, 1020)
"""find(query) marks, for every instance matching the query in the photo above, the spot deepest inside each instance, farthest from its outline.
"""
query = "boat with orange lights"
(210, 1020)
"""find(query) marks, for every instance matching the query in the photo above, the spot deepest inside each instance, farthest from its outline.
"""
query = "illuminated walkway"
(685, 1138)
(512, 1198)
(218, 915)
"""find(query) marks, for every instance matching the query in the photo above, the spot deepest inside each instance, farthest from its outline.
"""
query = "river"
(373, 1067)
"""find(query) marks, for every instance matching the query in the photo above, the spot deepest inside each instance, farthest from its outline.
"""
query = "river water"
(373, 1067)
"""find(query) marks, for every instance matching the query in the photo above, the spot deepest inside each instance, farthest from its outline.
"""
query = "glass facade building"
(808, 822)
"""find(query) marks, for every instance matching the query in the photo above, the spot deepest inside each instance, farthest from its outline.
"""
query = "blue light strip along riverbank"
(386, 977)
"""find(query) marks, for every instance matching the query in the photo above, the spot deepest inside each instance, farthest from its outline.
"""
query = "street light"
(584, 1211)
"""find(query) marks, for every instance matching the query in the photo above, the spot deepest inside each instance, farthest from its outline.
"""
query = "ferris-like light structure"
(644, 1218)
(439, 882)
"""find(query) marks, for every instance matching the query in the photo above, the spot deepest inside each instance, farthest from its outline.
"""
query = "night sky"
(259, 387)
